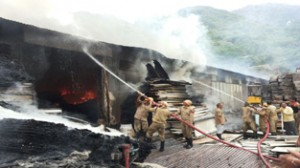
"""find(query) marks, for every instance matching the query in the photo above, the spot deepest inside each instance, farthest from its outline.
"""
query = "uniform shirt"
(248, 114)
(219, 116)
(263, 112)
(273, 113)
(161, 114)
(142, 112)
(187, 113)
(288, 114)
(263, 115)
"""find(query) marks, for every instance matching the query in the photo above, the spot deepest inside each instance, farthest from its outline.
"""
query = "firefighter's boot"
(190, 143)
(220, 136)
(162, 146)
(187, 142)
(255, 135)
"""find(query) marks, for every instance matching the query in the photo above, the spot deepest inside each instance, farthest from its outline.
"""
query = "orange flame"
(77, 97)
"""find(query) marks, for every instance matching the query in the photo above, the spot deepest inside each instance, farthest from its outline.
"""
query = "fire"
(77, 97)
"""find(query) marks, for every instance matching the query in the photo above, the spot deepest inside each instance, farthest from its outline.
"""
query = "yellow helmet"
(164, 104)
(149, 99)
(265, 104)
(188, 102)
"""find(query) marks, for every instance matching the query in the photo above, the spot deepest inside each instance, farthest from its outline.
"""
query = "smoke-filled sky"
(152, 24)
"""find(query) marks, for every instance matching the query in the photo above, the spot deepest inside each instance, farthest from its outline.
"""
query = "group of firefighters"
(161, 114)
(267, 113)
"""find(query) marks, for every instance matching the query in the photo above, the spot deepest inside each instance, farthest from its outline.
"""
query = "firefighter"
(141, 115)
(248, 120)
(159, 123)
(263, 117)
(273, 118)
(295, 106)
(219, 120)
(187, 114)
(288, 119)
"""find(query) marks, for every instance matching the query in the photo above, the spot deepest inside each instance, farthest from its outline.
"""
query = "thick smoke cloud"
(147, 24)
(173, 35)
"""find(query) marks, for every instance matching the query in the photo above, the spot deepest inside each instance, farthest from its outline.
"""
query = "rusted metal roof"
(206, 156)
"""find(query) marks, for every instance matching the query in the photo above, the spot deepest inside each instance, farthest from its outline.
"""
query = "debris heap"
(45, 144)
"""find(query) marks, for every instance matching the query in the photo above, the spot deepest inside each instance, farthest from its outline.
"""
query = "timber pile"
(282, 87)
(296, 79)
(174, 93)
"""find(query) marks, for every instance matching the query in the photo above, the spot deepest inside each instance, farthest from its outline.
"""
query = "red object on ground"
(126, 157)
(267, 164)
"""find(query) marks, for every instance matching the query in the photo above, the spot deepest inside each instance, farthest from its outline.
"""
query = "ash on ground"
(30, 143)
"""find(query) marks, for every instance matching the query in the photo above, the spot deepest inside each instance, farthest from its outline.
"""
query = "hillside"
(261, 38)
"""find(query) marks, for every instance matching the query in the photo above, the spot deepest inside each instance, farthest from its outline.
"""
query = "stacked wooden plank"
(174, 93)
(296, 80)
(282, 87)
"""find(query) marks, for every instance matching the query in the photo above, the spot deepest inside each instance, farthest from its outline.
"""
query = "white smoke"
(39, 116)
(181, 37)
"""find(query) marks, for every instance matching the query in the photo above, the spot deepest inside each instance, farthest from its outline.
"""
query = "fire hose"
(229, 144)
(267, 164)
(190, 125)
(232, 145)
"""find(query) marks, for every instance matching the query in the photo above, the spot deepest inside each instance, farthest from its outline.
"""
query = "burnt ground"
(30, 143)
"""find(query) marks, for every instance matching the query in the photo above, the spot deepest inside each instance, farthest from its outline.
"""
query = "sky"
(128, 10)
(128, 22)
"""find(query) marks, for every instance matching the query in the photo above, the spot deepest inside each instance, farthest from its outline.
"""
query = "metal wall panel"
(232, 95)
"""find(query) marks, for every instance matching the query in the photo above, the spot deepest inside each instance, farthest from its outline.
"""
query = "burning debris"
(44, 144)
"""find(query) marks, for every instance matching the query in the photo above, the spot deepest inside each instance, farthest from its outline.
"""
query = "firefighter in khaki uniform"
(159, 123)
(141, 115)
(263, 117)
(187, 114)
(219, 120)
(273, 118)
(248, 120)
